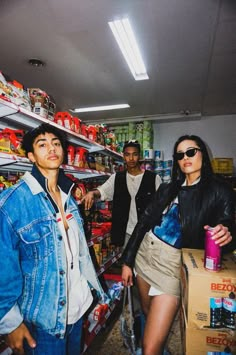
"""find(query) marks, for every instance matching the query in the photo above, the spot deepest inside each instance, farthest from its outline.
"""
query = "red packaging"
(59, 118)
(79, 191)
(80, 157)
(92, 133)
(68, 121)
(71, 154)
(84, 130)
(77, 124)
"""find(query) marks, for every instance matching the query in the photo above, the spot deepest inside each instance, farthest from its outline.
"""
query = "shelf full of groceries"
(22, 110)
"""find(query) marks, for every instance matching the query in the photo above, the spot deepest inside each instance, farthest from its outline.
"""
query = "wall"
(219, 132)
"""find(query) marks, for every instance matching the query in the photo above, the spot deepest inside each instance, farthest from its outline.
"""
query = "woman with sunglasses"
(177, 217)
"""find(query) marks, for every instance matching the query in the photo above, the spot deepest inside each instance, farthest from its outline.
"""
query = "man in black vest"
(130, 190)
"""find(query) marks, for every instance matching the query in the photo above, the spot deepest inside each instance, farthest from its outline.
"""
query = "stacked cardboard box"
(204, 336)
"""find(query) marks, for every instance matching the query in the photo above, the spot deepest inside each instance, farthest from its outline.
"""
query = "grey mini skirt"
(159, 265)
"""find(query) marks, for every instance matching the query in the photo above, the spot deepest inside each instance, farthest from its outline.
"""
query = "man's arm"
(11, 320)
(105, 192)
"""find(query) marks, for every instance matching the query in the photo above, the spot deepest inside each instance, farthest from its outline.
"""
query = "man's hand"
(127, 276)
(16, 339)
(88, 199)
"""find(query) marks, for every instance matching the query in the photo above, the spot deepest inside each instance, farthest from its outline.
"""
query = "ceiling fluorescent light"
(159, 118)
(101, 108)
(125, 38)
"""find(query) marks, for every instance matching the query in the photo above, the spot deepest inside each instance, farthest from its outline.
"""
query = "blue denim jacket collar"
(64, 182)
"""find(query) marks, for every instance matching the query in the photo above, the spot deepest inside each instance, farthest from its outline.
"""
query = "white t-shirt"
(133, 183)
(78, 292)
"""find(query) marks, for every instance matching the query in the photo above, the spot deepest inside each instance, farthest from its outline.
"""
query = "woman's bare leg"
(143, 288)
(162, 310)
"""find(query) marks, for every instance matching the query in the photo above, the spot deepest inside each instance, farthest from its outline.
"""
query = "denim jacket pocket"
(37, 240)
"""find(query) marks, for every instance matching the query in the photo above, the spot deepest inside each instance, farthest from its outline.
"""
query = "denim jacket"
(33, 264)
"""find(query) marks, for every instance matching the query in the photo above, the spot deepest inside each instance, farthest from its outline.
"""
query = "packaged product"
(20, 96)
(39, 101)
(51, 109)
(5, 89)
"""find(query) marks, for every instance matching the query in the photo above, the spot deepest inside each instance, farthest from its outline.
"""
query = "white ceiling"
(188, 46)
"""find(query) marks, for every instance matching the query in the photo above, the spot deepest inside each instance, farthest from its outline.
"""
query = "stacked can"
(158, 162)
(167, 166)
(158, 168)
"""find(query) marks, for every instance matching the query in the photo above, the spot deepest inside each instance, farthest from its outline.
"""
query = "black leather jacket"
(208, 202)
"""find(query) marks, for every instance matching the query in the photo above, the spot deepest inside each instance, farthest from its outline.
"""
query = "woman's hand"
(222, 235)
(127, 276)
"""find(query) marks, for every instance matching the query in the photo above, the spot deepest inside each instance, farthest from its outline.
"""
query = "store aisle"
(109, 340)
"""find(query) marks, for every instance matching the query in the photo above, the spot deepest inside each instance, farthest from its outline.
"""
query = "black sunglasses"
(189, 153)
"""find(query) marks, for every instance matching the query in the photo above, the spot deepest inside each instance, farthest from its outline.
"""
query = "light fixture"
(125, 38)
(159, 118)
(36, 62)
(100, 108)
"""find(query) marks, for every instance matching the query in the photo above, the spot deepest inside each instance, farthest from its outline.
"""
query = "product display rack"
(98, 326)
(16, 117)
(13, 162)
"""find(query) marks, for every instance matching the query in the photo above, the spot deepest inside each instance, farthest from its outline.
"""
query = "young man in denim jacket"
(45, 268)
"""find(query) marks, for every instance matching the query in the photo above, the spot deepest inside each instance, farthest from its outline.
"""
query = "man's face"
(131, 157)
(48, 152)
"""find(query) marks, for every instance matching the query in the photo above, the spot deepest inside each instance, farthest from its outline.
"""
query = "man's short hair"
(132, 143)
(30, 136)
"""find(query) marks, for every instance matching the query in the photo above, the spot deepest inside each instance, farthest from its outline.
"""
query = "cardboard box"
(210, 342)
(200, 285)
(207, 341)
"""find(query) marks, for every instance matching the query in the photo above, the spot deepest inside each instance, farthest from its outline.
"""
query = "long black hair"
(206, 171)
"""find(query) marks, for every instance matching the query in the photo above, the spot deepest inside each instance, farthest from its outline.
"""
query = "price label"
(97, 329)
(101, 270)
(107, 314)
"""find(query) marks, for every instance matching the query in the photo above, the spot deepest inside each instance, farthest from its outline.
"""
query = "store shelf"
(98, 326)
(108, 263)
(13, 162)
(15, 117)
(97, 239)
(84, 172)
